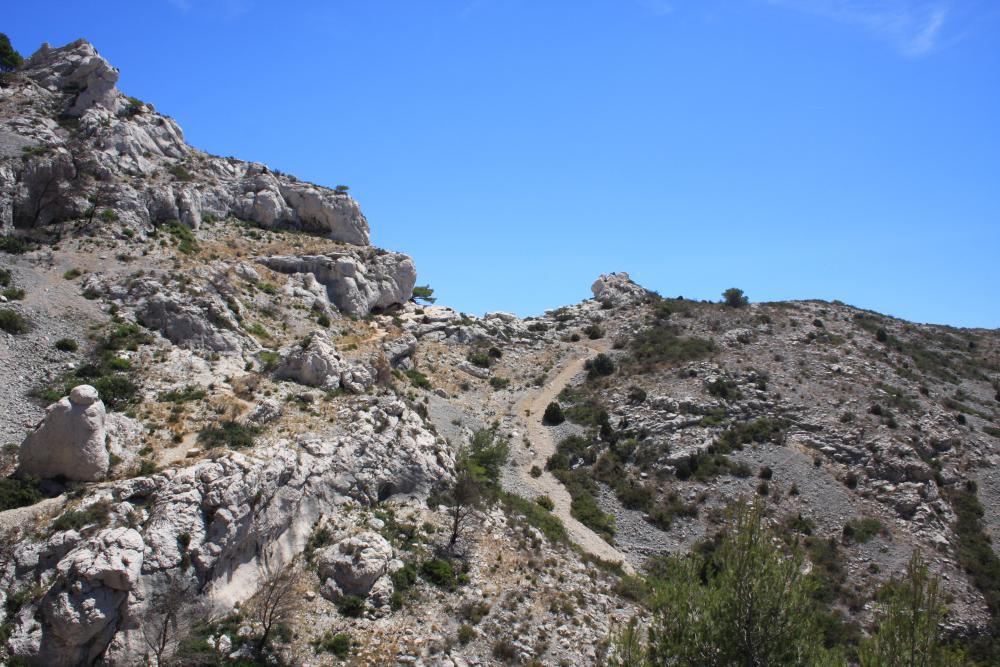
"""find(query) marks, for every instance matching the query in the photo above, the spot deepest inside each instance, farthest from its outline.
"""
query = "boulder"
(617, 289)
(353, 565)
(76, 68)
(315, 362)
(355, 283)
(70, 441)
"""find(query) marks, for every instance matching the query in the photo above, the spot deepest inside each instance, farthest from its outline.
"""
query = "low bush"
(12, 322)
(439, 572)
(545, 503)
(13, 245)
(553, 415)
(862, 530)
(227, 434)
(66, 345)
(16, 492)
(96, 515)
(337, 643)
(351, 606)
(499, 382)
(418, 379)
(599, 366)
(593, 332)
(660, 345)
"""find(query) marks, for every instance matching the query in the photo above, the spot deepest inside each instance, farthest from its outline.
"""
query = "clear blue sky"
(834, 149)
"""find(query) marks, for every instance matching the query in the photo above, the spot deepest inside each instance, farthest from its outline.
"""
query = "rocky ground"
(216, 393)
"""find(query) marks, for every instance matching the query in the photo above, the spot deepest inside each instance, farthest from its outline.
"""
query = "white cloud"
(913, 26)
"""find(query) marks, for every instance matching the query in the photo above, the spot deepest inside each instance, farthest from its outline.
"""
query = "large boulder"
(617, 289)
(353, 565)
(315, 362)
(75, 68)
(71, 440)
(354, 283)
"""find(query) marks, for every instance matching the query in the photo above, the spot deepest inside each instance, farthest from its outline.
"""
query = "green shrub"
(480, 358)
(593, 332)
(533, 515)
(13, 245)
(351, 606)
(599, 366)
(66, 345)
(583, 505)
(228, 434)
(10, 59)
(727, 390)
(184, 395)
(660, 345)
(72, 273)
(439, 572)
(466, 633)
(267, 288)
(735, 298)
(499, 382)
(337, 643)
(418, 379)
(535, 471)
(187, 242)
(13, 294)
(16, 492)
(862, 530)
(12, 322)
(553, 415)
(545, 503)
(5, 278)
(96, 515)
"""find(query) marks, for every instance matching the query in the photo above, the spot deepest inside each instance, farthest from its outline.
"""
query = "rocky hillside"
(233, 434)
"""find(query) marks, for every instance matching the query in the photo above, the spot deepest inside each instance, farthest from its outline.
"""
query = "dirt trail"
(529, 412)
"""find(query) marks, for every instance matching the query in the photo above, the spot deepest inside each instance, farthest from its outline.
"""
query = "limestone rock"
(617, 289)
(353, 565)
(70, 440)
(355, 284)
(314, 362)
(77, 68)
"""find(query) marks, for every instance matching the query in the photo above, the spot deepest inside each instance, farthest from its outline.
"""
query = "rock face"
(70, 442)
(617, 289)
(119, 154)
(355, 284)
(353, 565)
(78, 69)
(209, 523)
(81, 609)
(316, 363)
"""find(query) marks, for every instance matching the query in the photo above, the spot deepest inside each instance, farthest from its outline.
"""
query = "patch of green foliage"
(228, 434)
(184, 395)
(66, 345)
(337, 643)
(439, 572)
(553, 415)
(661, 345)
(187, 243)
(96, 515)
(980, 561)
(499, 382)
(15, 492)
(762, 430)
(14, 245)
(532, 514)
(583, 504)
(13, 322)
(862, 530)
(418, 379)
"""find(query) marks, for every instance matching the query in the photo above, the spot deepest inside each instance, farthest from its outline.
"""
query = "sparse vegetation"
(13, 322)
(228, 434)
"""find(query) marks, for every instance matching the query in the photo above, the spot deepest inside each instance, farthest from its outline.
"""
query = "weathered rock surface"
(355, 284)
(353, 565)
(316, 363)
(617, 289)
(70, 442)
(122, 155)
(217, 517)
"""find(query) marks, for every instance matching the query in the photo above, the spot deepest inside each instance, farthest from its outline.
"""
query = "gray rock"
(353, 565)
(70, 440)
(355, 284)
(617, 289)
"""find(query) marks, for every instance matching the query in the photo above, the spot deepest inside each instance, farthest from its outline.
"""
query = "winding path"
(528, 412)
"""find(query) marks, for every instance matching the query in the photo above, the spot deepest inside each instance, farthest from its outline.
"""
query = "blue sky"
(834, 149)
